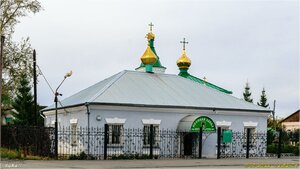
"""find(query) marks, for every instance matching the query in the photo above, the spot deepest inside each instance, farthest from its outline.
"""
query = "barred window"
(115, 134)
(155, 139)
(73, 133)
(252, 134)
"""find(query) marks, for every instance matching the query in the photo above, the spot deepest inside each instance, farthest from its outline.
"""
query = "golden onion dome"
(148, 58)
(150, 36)
(184, 61)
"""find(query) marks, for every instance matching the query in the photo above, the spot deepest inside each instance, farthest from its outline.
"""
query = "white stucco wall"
(169, 119)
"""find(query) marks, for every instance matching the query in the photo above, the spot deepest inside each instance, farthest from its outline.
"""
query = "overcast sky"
(230, 42)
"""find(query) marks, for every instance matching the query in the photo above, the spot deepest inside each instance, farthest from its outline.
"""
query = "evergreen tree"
(23, 103)
(17, 56)
(263, 99)
(247, 93)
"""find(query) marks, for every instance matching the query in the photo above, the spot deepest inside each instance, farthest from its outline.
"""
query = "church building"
(136, 99)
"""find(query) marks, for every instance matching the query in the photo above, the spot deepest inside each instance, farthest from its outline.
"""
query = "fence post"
(36, 138)
(248, 143)
(8, 130)
(105, 140)
(219, 143)
(16, 142)
(200, 142)
(88, 128)
(279, 144)
(151, 141)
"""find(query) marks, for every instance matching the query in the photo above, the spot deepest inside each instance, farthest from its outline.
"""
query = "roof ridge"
(229, 91)
(205, 86)
(108, 85)
(227, 95)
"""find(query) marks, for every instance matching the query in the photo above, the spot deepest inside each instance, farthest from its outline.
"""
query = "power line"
(45, 79)
(50, 87)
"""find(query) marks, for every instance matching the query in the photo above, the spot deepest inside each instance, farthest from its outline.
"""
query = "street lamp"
(56, 100)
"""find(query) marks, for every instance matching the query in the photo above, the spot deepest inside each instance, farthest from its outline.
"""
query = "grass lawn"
(14, 154)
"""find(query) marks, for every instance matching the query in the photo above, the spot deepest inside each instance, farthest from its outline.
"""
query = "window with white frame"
(73, 132)
(252, 131)
(147, 136)
(115, 130)
(147, 129)
(252, 134)
(52, 124)
(115, 133)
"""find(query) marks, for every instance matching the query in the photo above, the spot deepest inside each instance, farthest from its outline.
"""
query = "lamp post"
(56, 100)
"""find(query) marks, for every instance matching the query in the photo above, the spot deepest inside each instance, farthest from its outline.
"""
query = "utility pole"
(34, 87)
(1, 59)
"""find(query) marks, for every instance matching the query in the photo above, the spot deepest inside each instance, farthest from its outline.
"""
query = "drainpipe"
(88, 127)
(42, 115)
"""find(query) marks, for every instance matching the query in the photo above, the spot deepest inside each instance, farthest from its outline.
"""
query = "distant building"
(148, 96)
(291, 122)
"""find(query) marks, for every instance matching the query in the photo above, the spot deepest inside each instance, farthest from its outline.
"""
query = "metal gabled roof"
(155, 89)
(88, 94)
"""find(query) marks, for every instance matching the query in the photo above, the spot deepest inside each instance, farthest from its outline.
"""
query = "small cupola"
(148, 59)
(184, 62)
(156, 67)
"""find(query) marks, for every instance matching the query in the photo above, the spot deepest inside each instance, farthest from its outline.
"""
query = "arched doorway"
(190, 127)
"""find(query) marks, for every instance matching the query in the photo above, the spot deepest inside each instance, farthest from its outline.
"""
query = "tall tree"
(17, 56)
(12, 10)
(247, 93)
(263, 99)
(23, 103)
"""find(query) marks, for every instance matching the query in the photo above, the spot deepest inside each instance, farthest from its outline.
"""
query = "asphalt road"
(150, 164)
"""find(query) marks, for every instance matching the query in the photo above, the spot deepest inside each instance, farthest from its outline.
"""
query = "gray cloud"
(229, 42)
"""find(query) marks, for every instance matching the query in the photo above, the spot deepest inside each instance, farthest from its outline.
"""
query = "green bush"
(270, 136)
(296, 151)
(10, 154)
(132, 157)
(272, 148)
(81, 156)
(287, 149)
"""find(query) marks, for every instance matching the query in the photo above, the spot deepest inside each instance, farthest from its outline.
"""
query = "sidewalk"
(174, 163)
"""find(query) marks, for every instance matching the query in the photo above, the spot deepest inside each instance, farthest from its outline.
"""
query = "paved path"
(150, 164)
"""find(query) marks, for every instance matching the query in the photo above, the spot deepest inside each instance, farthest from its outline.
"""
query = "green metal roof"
(198, 80)
(157, 63)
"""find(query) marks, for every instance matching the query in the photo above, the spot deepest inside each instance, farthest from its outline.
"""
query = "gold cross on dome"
(184, 42)
(151, 25)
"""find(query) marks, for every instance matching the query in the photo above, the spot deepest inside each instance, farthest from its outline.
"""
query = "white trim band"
(223, 123)
(73, 121)
(115, 120)
(250, 124)
(151, 121)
